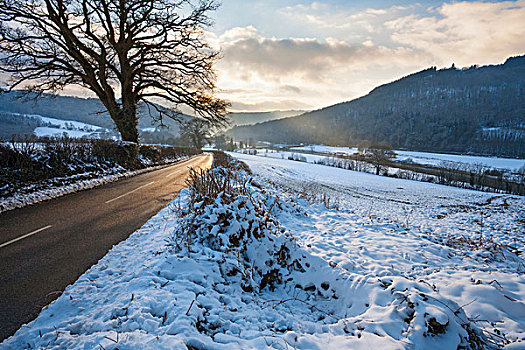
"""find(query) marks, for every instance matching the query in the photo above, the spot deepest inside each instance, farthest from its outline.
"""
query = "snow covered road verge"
(227, 266)
(55, 188)
(33, 170)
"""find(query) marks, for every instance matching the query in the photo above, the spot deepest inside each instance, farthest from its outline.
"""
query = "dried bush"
(227, 212)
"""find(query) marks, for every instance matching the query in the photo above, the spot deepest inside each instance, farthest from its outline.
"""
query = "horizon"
(82, 93)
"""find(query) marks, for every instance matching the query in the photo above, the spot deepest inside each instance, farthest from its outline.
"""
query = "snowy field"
(444, 236)
(392, 267)
(428, 158)
(269, 153)
(326, 149)
(57, 127)
(46, 131)
(437, 158)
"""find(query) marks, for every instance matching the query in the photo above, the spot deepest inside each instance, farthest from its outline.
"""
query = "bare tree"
(138, 49)
(196, 132)
(379, 155)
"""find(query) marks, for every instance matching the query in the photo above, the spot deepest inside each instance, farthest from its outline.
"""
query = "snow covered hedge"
(41, 167)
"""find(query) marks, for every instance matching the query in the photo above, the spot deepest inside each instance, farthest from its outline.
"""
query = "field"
(426, 158)
(458, 241)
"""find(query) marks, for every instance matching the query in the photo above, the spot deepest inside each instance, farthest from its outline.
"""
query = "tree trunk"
(126, 121)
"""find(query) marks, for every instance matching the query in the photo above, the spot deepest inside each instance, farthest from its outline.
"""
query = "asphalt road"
(47, 246)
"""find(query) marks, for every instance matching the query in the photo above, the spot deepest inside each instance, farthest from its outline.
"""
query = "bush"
(221, 159)
(12, 157)
(226, 214)
(150, 153)
(297, 157)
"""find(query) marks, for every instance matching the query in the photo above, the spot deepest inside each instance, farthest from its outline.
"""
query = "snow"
(437, 158)
(58, 127)
(263, 152)
(427, 158)
(326, 149)
(421, 231)
(58, 187)
(391, 268)
(44, 131)
(68, 124)
(149, 129)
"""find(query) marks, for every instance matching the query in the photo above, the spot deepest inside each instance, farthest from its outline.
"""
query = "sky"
(292, 54)
(305, 55)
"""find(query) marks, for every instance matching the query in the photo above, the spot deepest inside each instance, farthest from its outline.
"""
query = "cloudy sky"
(292, 54)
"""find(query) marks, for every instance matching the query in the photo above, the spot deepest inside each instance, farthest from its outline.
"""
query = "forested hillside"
(471, 110)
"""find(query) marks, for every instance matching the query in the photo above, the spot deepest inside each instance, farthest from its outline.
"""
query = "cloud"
(240, 33)
(465, 32)
(308, 71)
(290, 89)
(305, 58)
(344, 24)
(326, 53)
(270, 105)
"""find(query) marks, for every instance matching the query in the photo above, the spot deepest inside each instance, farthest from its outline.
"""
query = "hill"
(85, 110)
(250, 118)
(478, 110)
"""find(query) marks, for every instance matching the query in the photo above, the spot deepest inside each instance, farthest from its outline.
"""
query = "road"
(47, 246)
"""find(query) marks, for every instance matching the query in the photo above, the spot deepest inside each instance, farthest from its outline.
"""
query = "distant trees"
(220, 141)
(196, 132)
(230, 146)
(363, 146)
(138, 49)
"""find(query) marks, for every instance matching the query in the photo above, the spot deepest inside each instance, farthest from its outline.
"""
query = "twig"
(467, 304)
(497, 283)
(113, 340)
(187, 312)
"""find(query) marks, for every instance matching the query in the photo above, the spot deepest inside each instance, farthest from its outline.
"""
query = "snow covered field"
(393, 268)
(444, 236)
(325, 149)
(428, 158)
(269, 153)
(437, 158)
(57, 127)
(46, 131)
(52, 127)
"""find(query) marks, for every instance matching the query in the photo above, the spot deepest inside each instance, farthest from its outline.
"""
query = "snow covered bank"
(34, 170)
(225, 266)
